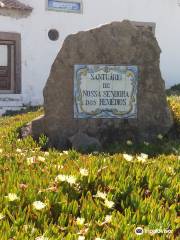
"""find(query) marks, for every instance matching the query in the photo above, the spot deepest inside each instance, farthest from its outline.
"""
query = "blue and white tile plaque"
(105, 91)
(65, 6)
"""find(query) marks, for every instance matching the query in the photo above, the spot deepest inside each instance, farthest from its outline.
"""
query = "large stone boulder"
(118, 43)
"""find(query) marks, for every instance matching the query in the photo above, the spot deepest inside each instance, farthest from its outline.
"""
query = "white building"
(27, 53)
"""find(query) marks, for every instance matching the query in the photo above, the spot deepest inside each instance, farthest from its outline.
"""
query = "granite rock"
(82, 142)
(26, 130)
(118, 43)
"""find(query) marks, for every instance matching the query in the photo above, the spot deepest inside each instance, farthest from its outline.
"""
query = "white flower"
(108, 218)
(2, 216)
(61, 178)
(128, 157)
(84, 172)
(41, 238)
(129, 142)
(12, 197)
(41, 159)
(80, 221)
(65, 152)
(146, 143)
(64, 178)
(144, 155)
(46, 153)
(142, 158)
(160, 136)
(102, 195)
(109, 204)
(71, 180)
(18, 150)
(99, 238)
(38, 205)
(31, 160)
(1, 150)
(81, 238)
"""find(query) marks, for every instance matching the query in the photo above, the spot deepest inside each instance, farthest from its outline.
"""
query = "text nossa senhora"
(105, 94)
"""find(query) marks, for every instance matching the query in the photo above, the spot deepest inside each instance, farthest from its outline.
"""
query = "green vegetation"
(68, 195)
(174, 90)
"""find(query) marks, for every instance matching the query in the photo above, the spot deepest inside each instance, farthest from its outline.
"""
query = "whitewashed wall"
(38, 52)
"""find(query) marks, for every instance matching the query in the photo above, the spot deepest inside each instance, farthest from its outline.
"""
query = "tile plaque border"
(65, 10)
(80, 112)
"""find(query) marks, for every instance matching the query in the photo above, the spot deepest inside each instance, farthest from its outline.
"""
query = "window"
(74, 6)
(10, 62)
(53, 34)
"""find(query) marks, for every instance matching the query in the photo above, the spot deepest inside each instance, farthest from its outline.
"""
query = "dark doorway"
(10, 63)
(7, 61)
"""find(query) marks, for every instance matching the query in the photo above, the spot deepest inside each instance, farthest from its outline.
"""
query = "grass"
(68, 195)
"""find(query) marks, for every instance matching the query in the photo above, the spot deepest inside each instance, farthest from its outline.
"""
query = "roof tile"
(14, 4)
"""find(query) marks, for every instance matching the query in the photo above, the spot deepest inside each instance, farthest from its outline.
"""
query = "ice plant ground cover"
(69, 195)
